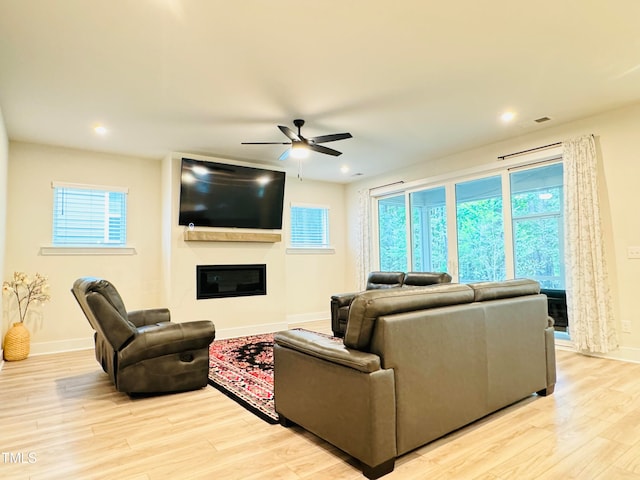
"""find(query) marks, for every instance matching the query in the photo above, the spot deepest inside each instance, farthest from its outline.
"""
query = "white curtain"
(363, 258)
(591, 321)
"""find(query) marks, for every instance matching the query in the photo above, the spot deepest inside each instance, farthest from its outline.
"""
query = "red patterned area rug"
(242, 369)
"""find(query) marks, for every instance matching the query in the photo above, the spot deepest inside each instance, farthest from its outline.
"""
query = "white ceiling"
(411, 80)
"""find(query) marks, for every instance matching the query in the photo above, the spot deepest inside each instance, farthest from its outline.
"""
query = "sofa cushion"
(368, 306)
(505, 289)
(381, 280)
(420, 279)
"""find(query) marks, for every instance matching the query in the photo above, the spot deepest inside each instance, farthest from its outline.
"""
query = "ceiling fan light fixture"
(299, 150)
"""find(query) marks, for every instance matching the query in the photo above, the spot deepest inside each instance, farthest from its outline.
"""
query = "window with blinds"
(89, 216)
(309, 226)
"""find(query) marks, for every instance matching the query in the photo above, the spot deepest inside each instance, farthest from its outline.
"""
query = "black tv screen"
(221, 195)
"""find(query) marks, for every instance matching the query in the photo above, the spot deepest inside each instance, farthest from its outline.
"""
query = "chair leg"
(284, 421)
(546, 391)
(379, 470)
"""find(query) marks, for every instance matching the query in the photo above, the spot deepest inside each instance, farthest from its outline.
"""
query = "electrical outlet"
(633, 252)
(626, 326)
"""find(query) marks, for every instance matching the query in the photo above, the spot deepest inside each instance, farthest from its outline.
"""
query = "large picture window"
(507, 224)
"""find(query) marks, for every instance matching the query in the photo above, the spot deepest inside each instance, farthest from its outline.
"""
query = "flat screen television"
(222, 195)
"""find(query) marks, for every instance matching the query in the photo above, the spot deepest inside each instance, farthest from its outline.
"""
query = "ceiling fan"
(300, 146)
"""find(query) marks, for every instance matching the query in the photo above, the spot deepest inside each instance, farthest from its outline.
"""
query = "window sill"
(51, 250)
(310, 251)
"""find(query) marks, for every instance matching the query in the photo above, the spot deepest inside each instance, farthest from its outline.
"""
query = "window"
(309, 227)
(392, 234)
(480, 230)
(89, 216)
(536, 209)
(507, 223)
(429, 230)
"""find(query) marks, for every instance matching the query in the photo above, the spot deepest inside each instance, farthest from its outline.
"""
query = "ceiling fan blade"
(289, 133)
(285, 154)
(327, 150)
(265, 143)
(330, 138)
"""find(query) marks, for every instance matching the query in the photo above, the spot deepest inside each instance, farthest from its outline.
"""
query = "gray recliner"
(377, 281)
(143, 351)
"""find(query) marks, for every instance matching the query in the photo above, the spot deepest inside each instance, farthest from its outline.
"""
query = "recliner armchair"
(380, 280)
(143, 351)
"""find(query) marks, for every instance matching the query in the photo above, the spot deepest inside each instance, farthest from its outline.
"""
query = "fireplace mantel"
(202, 236)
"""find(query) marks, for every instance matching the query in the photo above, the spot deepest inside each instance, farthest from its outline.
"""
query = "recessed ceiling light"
(507, 117)
(344, 169)
(100, 129)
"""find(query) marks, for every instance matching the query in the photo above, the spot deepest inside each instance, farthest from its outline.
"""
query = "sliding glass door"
(429, 248)
(506, 225)
(536, 209)
(480, 227)
(392, 233)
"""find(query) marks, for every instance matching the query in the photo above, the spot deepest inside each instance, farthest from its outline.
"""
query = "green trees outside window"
(470, 233)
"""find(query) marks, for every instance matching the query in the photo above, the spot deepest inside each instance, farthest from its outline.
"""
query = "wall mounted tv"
(222, 195)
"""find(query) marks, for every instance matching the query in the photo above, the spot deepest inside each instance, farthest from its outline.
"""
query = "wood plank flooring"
(60, 417)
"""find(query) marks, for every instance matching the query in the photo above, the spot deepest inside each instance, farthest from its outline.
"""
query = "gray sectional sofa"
(414, 365)
(340, 302)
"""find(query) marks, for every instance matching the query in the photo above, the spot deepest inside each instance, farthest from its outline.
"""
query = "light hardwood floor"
(60, 417)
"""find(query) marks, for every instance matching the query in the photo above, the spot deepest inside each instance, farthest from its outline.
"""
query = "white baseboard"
(70, 345)
(271, 327)
(250, 330)
(44, 348)
(308, 317)
(623, 354)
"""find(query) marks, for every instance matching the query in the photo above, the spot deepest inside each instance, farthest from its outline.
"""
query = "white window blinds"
(89, 216)
(309, 226)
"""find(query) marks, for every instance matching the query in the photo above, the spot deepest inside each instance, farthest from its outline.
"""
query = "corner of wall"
(167, 198)
(4, 168)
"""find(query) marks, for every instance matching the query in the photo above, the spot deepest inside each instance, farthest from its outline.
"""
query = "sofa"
(376, 281)
(415, 365)
(143, 351)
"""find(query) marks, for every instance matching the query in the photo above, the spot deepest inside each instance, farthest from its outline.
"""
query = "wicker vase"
(17, 343)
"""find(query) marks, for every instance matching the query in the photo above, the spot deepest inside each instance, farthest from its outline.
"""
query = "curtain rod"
(502, 157)
(400, 182)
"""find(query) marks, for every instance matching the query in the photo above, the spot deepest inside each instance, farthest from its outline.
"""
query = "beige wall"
(313, 278)
(4, 166)
(619, 148)
(162, 272)
(298, 286)
(32, 168)
(301, 284)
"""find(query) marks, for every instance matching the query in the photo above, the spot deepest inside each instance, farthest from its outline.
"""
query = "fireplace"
(217, 281)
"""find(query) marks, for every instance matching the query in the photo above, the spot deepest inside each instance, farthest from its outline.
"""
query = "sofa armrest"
(343, 299)
(148, 317)
(167, 338)
(328, 349)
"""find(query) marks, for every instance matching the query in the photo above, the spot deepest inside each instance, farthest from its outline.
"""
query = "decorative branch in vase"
(27, 291)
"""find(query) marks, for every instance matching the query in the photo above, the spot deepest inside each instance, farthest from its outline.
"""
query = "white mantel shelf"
(200, 236)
